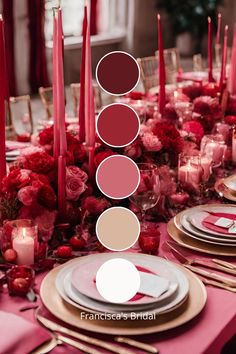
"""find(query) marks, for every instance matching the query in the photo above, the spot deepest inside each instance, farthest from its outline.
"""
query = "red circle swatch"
(118, 125)
(117, 177)
(117, 73)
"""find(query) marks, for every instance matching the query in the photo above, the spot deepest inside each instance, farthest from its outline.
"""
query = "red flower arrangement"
(195, 128)
(169, 137)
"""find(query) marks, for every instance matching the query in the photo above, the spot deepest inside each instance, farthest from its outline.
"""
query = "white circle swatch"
(118, 280)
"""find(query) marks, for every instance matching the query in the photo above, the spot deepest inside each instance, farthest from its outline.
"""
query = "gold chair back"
(75, 90)
(20, 112)
(46, 95)
(172, 64)
(148, 72)
(9, 128)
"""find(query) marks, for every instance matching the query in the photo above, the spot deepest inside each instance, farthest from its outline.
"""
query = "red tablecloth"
(207, 333)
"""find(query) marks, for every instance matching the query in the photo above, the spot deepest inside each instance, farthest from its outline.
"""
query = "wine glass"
(147, 194)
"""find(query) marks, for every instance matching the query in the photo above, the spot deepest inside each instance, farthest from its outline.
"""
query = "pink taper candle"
(89, 104)
(224, 61)
(161, 69)
(210, 60)
(82, 80)
(2, 102)
(218, 29)
(60, 87)
(232, 74)
(62, 187)
(56, 145)
(61, 118)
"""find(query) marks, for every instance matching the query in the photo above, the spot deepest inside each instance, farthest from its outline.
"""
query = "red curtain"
(93, 17)
(10, 53)
(38, 74)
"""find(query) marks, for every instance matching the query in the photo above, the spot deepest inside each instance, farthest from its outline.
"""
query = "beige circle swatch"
(118, 228)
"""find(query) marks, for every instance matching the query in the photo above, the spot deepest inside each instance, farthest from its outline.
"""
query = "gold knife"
(75, 344)
(90, 340)
(224, 280)
(134, 343)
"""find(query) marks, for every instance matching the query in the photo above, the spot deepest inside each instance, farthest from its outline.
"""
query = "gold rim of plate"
(184, 240)
(226, 192)
(193, 305)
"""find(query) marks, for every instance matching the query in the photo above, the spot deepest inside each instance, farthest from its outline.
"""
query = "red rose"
(71, 140)
(79, 153)
(37, 177)
(39, 162)
(46, 136)
(170, 112)
(210, 89)
(94, 206)
(195, 128)
(102, 155)
(169, 137)
(231, 120)
(47, 197)
(192, 91)
(16, 179)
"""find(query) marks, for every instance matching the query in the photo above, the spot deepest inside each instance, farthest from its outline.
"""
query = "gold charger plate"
(71, 315)
(196, 245)
(224, 191)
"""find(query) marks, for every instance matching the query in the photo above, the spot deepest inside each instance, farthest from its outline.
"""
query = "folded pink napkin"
(210, 221)
(18, 335)
(138, 296)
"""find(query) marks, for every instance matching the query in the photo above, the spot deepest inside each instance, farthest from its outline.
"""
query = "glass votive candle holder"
(189, 171)
(22, 236)
(149, 241)
(20, 280)
(214, 147)
(205, 162)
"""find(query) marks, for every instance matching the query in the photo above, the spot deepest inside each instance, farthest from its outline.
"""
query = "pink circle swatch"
(117, 73)
(117, 176)
(118, 125)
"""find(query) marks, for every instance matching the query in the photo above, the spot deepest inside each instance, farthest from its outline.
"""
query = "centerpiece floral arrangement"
(29, 191)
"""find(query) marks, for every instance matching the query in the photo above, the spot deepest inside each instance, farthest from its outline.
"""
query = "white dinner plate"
(83, 280)
(90, 305)
(196, 219)
(205, 237)
(220, 208)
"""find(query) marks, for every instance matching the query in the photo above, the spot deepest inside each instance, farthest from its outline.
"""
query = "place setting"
(166, 296)
(207, 228)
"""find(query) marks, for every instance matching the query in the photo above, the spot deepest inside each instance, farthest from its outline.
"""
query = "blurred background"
(115, 25)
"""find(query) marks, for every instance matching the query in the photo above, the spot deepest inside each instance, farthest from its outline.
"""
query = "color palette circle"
(117, 73)
(118, 177)
(118, 125)
(118, 228)
(118, 280)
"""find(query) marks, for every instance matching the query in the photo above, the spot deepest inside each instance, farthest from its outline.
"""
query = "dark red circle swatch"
(117, 73)
(118, 125)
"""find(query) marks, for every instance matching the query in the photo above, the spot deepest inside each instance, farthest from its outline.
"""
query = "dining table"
(205, 334)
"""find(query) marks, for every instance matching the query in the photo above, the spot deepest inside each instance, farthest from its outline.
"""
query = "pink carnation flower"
(28, 195)
(151, 142)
